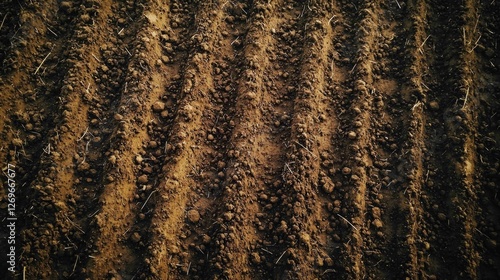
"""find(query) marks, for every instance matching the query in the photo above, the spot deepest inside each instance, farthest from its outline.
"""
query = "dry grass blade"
(3, 20)
(348, 222)
(423, 43)
(304, 147)
(149, 196)
(40, 66)
(282, 254)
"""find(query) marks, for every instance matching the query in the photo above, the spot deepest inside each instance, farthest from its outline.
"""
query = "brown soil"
(252, 139)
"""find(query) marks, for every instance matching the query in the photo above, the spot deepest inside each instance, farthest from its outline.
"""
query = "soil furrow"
(488, 152)
(311, 132)
(339, 87)
(278, 84)
(356, 160)
(23, 92)
(415, 91)
(466, 160)
(104, 146)
(207, 199)
(255, 153)
(192, 251)
(55, 180)
(465, 200)
(385, 249)
(454, 133)
(146, 110)
(26, 101)
(191, 145)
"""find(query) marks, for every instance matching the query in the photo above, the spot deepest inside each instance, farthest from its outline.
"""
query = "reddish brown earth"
(257, 139)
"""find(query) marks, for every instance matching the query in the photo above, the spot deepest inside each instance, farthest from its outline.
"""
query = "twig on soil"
(130, 55)
(305, 148)
(41, 80)
(147, 199)
(225, 3)
(282, 254)
(465, 37)
(3, 20)
(423, 43)
(398, 4)
(353, 68)
(235, 40)
(95, 57)
(38, 68)
(475, 44)
(24, 268)
(331, 66)
(475, 25)
(84, 133)
(55, 34)
(302, 13)
(75, 225)
(201, 251)
(416, 105)
(330, 20)
(348, 222)
(93, 214)
(74, 266)
(71, 242)
(47, 149)
(189, 267)
(87, 146)
(267, 251)
(288, 166)
(328, 271)
(482, 233)
(133, 277)
(466, 96)
(390, 183)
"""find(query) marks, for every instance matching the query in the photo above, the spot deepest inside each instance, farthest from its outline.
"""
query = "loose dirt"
(257, 139)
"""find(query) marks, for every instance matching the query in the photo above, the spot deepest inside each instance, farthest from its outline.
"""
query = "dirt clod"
(17, 142)
(143, 179)
(255, 258)
(352, 135)
(138, 159)
(346, 170)
(135, 237)
(328, 187)
(434, 105)
(193, 216)
(158, 106)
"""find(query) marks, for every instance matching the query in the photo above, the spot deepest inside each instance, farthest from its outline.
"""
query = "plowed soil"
(261, 139)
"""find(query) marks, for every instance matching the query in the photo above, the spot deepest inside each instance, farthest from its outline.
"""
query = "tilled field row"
(252, 139)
